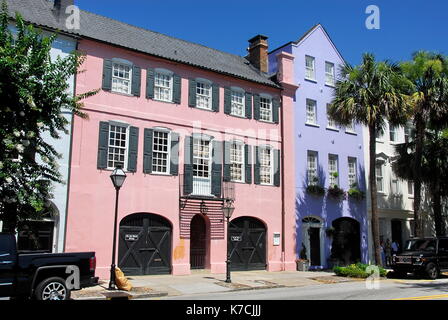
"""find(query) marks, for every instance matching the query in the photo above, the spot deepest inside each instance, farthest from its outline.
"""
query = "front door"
(314, 234)
(202, 159)
(197, 243)
(247, 244)
(145, 245)
(397, 233)
(8, 258)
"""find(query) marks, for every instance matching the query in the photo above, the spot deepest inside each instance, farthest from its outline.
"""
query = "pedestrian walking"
(388, 251)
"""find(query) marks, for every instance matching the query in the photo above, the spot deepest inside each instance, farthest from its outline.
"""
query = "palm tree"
(370, 94)
(428, 75)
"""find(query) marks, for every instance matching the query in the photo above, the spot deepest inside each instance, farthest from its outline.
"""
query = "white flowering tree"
(33, 91)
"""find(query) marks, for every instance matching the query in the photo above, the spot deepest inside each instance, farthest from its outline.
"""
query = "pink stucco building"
(193, 128)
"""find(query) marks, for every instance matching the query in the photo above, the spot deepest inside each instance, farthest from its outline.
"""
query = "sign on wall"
(276, 238)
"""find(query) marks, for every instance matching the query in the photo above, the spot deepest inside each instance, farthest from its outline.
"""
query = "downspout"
(282, 172)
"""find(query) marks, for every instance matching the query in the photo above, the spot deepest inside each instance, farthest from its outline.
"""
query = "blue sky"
(405, 25)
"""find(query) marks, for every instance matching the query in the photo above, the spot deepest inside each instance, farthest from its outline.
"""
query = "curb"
(134, 296)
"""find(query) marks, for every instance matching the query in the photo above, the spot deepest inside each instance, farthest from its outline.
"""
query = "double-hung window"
(312, 168)
(329, 74)
(201, 158)
(350, 128)
(238, 103)
(161, 151)
(311, 111)
(266, 165)
(352, 174)
(237, 161)
(118, 146)
(333, 170)
(310, 70)
(410, 188)
(266, 108)
(121, 78)
(331, 122)
(393, 133)
(379, 177)
(395, 186)
(203, 95)
(163, 86)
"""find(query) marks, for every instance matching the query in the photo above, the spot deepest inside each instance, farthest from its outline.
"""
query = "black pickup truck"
(43, 276)
(422, 256)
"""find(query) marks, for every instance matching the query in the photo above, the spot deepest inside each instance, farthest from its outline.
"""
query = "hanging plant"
(336, 193)
(314, 188)
(355, 193)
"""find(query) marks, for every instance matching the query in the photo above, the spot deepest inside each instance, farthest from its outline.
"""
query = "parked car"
(422, 256)
(42, 276)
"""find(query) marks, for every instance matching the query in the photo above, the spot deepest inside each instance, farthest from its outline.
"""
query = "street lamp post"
(118, 177)
(228, 211)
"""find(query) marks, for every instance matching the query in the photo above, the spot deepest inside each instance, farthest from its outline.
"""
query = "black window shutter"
(215, 97)
(248, 163)
(174, 156)
(192, 93)
(103, 144)
(150, 83)
(133, 149)
(107, 75)
(275, 110)
(256, 107)
(188, 166)
(248, 105)
(277, 168)
(136, 80)
(147, 151)
(257, 179)
(177, 88)
(217, 169)
(227, 100)
(226, 159)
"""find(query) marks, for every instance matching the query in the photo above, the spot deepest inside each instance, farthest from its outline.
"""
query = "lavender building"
(331, 227)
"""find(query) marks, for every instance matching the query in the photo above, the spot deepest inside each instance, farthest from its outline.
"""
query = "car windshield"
(420, 245)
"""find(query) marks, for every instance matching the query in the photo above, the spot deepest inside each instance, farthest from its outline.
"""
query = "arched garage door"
(247, 244)
(144, 245)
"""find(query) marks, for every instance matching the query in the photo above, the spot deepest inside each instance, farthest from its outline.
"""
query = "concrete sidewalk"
(201, 282)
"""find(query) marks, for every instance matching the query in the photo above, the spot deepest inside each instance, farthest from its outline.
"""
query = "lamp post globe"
(118, 177)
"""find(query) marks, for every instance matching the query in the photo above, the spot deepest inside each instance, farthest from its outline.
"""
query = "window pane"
(117, 147)
(265, 109)
(163, 88)
(121, 78)
(329, 73)
(311, 111)
(160, 154)
(203, 95)
(312, 168)
(236, 162)
(238, 103)
(266, 166)
(309, 66)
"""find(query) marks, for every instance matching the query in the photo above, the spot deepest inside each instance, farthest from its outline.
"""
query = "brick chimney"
(60, 6)
(258, 52)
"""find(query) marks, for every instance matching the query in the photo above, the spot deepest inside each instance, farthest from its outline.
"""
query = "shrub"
(336, 192)
(315, 189)
(357, 270)
(355, 193)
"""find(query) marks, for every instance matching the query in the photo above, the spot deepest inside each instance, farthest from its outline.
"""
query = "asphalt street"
(389, 289)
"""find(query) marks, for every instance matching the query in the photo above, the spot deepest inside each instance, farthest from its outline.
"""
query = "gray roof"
(93, 26)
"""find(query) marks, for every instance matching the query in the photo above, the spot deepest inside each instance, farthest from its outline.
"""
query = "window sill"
(381, 193)
(379, 141)
(332, 129)
(330, 85)
(266, 121)
(165, 101)
(237, 116)
(353, 133)
(312, 125)
(159, 174)
(121, 93)
(311, 80)
(204, 109)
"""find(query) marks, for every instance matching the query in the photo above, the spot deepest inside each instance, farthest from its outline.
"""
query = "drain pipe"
(282, 170)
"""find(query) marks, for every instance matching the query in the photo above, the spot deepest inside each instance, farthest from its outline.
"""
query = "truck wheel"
(52, 289)
(431, 271)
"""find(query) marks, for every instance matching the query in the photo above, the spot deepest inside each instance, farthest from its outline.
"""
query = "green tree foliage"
(33, 92)
(428, 79)
(371, 94)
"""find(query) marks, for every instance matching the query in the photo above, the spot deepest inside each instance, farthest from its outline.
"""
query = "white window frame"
(379, 177)
(393, 132)
(331, 124)
(410, 188)
(237, 91)
(125, 64)
(352, 171)
(395, 186)
(311, 167)
(350, 128)
(242, 161)
(330, 76)
(202, 97)
(310, 71)
(201, 157)
(314, 120)
(333, 167)
(126, 147)
(269, 99)
(158, 88)
(271, 167)
(168, 152)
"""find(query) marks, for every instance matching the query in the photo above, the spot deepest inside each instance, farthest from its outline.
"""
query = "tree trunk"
(437, 209)
(419, 140)
(373, 196)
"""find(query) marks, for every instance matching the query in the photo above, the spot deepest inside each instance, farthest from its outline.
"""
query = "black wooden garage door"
(247, 244)
(144, 245)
